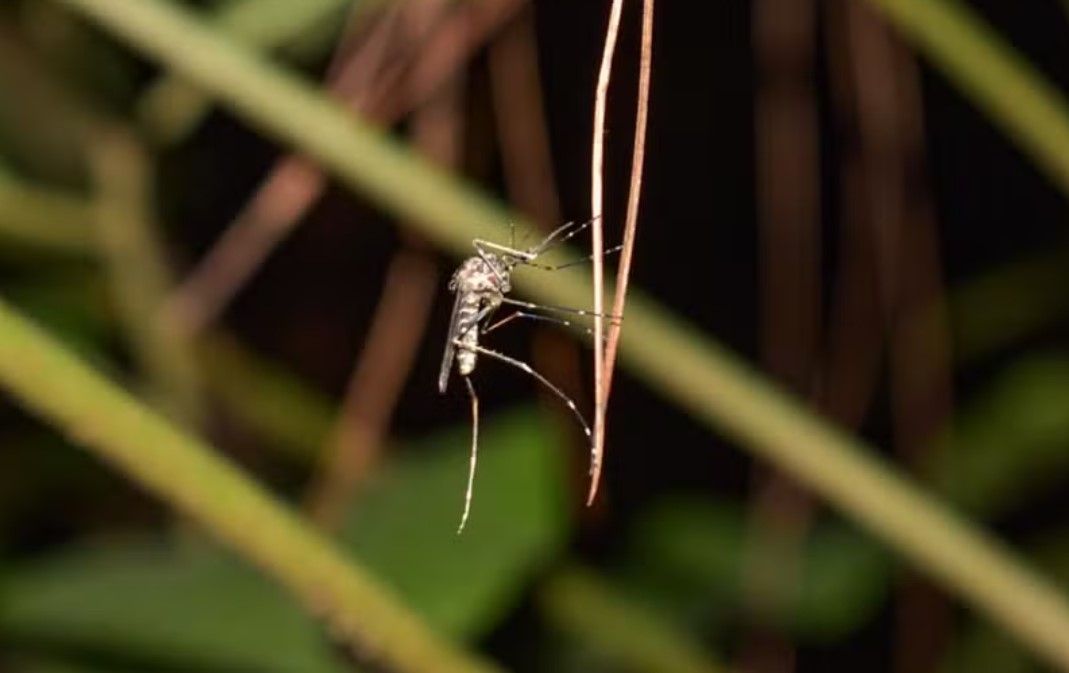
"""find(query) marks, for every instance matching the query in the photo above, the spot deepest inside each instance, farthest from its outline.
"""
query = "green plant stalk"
(264, 397)
(43, 219)
(582, 603)
(187, 474)
(172, 107)
(668, 354)
(994, 76)
(139, 279)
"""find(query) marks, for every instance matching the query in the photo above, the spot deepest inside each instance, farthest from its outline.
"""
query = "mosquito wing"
(450, 348)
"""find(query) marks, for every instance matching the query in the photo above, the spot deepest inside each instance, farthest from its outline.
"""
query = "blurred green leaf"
(201, 608)
(693, 552)
(986, 649)
(1010, 442)
(74, 310)
(405, 527)
(143, 601)
(598, 616)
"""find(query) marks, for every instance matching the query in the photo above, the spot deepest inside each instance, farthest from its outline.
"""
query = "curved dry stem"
(634, 198)
(597, 161)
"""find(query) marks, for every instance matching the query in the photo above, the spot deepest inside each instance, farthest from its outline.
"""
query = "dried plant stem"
(597, 189)
(519, 115)
(293, 185)
(397, 330)
(699, 376)
(374, 80)
(385, 362)
(787, 161)
(634, 198)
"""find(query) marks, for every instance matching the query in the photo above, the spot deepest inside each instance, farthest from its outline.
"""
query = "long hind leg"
(523, 366)
(474, 453)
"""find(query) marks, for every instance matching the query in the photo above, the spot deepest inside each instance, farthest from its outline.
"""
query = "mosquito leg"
(560, 309)
(474, 453)
(534, 316)
(577, 262)
(523, 366)
(559, 235)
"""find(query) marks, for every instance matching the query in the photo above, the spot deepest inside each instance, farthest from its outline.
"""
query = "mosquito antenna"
(474, 453)
(576, 262)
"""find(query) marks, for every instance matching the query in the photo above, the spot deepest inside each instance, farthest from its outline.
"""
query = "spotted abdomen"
(467, 333)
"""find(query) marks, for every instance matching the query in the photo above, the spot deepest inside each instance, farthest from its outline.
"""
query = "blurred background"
(817, 199)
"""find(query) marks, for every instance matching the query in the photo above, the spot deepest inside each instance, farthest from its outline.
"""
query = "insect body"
(481, 284)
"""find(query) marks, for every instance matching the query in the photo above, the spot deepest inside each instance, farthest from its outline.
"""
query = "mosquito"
(481, 284)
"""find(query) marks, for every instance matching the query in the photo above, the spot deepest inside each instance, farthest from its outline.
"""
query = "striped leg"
(474, 453)
(523, 366)
(542, 318)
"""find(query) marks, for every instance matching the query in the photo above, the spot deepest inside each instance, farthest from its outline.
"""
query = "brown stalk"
(519, 114)
(385, 79)
(787, 162)
(597, 190)
(523, 136)
(853, 353)
(605, 361)
(288, 191)
(398, 327)
(467, 28)
(890, 123)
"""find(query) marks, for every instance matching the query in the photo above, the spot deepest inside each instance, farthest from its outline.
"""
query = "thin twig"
(284, 196)
(385, 87)
(634, 197)
(519, 116)
(466, 29)
(527, 162)
(397, 329)
(597, 161)
(779, 513)
(376, 384)
(889, 121)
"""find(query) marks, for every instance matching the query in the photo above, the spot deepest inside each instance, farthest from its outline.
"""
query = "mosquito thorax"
(479, 275)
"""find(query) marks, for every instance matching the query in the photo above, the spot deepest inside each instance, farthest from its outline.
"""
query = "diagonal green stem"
(668, 354)
(578, 601)
(171, 108)
(994, 76)
(43, 219)
(151, 452)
